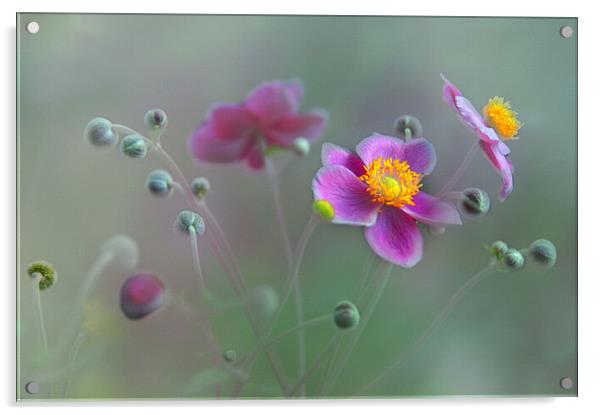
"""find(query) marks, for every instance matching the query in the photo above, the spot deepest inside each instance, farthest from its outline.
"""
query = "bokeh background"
(514, 334)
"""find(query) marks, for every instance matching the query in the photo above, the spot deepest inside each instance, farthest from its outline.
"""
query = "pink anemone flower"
(497, 124)
(268, 117)
(379, 187)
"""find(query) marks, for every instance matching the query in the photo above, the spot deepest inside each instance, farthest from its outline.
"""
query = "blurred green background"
(514, 334)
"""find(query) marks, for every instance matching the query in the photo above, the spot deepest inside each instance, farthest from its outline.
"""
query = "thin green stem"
(77, 343)
(37, 277)
(461, 169)
(303, 325)
(93, 274)
(317, 364)
(435, 324)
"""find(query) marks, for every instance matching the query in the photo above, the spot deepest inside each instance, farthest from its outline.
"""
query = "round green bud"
(45, 273)
(436, 230)
(513, 259)
(475, 202)
(188, 221)
(301, 146)
(346, 315)
(134, 146)
(155, 119)
(264, 301)
(229, 355)
(543, 252)
(498, 249)
(200, 187)
(159, 183)
(324, 210)
(408, 126)
(99, 132)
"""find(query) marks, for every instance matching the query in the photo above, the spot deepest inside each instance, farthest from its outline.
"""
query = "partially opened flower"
(268, 117)
(379, 187)
(497, 124)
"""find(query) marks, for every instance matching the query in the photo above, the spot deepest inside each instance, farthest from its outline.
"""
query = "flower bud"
(123, 250)
(141, 294)
(134, 146)
(346, 315)
(301, 146)
(229, 355)
(408, 126)
(264, 301)
(543, 252)
(159, 183)
(45, 272)
(324, 210)
(475, 202)
(513, 260)
(498, 249)
(99, 132)
(436, 230)
(188, 221)
(155, 119)
(200, 187)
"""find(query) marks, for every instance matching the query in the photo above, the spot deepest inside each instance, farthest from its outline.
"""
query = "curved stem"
(435, 324)
(195, 257)
(93, 274)
(317, 363)
(37, 277)
(307, 323)
(77, 343)
(461, 169)
(370, 307)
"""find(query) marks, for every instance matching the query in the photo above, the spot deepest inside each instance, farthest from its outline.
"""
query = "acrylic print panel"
(296, 206)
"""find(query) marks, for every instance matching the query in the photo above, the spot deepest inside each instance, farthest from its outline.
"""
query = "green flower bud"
(408, 126)
(155, 119)
(301, 146)
(475, 202)
(346, 315)
(159, 183)
(45, 272)
(324, 210)
(99, 132)
(229, 355)
(513, 260)
(200, 187)
(134, 146)
(543, 252)
(188, 221)
(264, 301)
(498, 249)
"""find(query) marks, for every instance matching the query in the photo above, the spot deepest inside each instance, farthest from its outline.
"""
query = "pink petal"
(419, 153)
(205, 145)
(273, 100)
(231, 121)
(334, 155)
(255, 158)
(395, 237)
(348, 195)
(284, 131)
(433, 211)
(502, 164)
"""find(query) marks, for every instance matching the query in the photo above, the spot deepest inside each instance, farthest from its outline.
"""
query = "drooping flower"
(379, 187)
(141, 294)
(497, 124)
(268, 117)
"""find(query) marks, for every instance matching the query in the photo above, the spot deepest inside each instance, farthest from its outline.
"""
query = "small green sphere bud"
(346, 315)
(436, 230)
(543, 252)
(159, 183)
(475, 202)
(408, 126)
(264, 301)
(200, 187)
(45, 272)
(324, 210)
(498, 249)
(99, 132)
(301, 146)
(188, 221)
(513, 259)
(229, 355)
(134, 146)
(155, 119)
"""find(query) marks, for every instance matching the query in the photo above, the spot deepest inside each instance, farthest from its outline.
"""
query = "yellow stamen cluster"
(499, 115)
(392, 182)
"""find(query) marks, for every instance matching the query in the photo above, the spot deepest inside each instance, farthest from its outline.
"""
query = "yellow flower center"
(392, 182)
(499, 115)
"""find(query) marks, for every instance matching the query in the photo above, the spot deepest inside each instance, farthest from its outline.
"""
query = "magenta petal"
(450, 92)
(231, 121)
(347, 194)
(334, 155)
(284, 131)
(395, 237)
(419, 153)
(433, 211)
(255, 158)
(502, 164)
(273, 100)
(205, 145)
